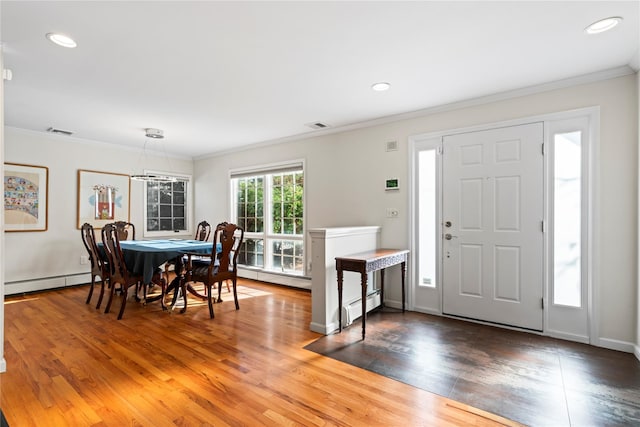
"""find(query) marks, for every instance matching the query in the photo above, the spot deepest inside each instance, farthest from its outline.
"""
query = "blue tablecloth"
(144, 256)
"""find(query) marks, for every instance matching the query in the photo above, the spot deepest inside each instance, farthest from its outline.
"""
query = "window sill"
(293, 280)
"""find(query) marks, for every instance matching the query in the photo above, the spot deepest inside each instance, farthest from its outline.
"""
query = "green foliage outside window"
(286, 191)
(250, 204)
(287, 203)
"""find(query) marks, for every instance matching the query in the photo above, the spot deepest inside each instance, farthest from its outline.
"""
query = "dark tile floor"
(535, 380)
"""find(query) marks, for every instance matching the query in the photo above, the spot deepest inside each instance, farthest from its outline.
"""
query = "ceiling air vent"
(60, 131)
(317, 125)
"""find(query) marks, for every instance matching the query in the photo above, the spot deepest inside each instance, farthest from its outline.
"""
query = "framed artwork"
(103, 197)
(26, 195)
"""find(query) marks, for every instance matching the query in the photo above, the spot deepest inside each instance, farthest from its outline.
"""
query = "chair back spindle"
(230, 237)
(119, 272)
(99, 267)
(126, 230)
(221, 266)
(203, 231)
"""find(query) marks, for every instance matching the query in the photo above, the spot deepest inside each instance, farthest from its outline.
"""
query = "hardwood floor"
(532, 379)
(71, 365)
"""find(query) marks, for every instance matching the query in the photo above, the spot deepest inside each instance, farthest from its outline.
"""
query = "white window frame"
(188, 207)
(267, 236)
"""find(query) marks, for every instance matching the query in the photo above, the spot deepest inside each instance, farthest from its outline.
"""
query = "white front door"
(492, 212)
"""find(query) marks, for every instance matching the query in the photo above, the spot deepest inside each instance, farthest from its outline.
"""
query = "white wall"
(345, 174)
(56, 252)
(637, 350)
(3, 363)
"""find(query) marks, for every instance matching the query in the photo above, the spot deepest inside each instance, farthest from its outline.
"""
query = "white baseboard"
(636, 352)
(323, 329)
(425, 310)
(79, 279)
(278, 279)
(625, 346)
(42, 284)
(568, 337)
(12, 288)
(394, 304)
(3, 365)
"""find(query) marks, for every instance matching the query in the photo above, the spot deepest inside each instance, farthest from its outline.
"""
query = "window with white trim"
(167, 206)
(269, 204)
(568, 159)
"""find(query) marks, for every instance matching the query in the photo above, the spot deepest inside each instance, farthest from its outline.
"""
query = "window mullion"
(268, 222)
(290, 245)
(164, 216)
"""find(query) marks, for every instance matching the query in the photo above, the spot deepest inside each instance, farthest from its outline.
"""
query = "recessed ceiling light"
(62, 40)
(603, 25)
(381, 86)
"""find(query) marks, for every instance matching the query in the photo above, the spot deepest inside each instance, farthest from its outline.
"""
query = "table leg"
(156, 280)
(382, 288)
(194, 292)
(183, 287)
(403, 268)
(339, 299)
(363, 276)
(174, 286)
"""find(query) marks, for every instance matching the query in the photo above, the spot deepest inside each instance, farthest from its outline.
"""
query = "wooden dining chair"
(99, 265)
(119, 272)
(219, 266)
(126, 230)
(203, 231)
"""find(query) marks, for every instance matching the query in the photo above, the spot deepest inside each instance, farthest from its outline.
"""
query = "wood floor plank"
(70, 364)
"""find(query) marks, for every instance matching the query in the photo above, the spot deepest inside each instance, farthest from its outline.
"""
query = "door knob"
(447, 224)
(448, 236)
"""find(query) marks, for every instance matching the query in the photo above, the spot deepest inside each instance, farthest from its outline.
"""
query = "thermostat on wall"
(391, 184)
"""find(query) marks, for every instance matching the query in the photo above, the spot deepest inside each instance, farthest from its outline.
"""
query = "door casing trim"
(593, 214)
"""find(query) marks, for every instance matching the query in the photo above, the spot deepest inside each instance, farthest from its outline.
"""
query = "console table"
(367, 262)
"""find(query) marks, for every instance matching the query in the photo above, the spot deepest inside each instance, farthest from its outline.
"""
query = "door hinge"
(542, 226)
(440, 149)
(543, 148)
(542, 303)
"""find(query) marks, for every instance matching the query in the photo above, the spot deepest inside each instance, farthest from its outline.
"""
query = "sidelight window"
(567, 217)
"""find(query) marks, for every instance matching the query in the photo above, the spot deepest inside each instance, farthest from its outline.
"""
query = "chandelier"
(151, 133)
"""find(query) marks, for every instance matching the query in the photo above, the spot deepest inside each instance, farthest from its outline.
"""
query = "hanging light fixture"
(151, 133)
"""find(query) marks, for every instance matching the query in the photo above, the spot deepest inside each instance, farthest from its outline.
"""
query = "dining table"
(144, 257)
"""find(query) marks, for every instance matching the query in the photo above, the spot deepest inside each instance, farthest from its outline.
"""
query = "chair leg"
(235, 294)
(177, 288)
(124, 301)
(166, 274)
(113, 291)
(211, 315)
(163, 293)
(137, 292)
(103, 284)
(93, 282)
(227, 282)
(219, 292)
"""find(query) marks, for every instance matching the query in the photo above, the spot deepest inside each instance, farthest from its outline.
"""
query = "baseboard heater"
(353, 309)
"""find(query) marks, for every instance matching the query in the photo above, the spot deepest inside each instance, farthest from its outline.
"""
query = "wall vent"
(392, 145)
(60, 131)
(317, 125)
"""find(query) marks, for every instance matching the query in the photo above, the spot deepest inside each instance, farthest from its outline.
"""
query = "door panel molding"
(574, 328)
